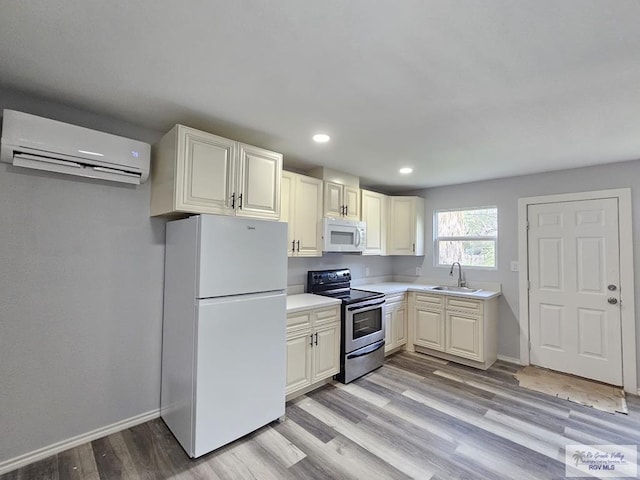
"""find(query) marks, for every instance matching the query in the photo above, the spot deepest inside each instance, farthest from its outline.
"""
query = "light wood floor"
(416, 417)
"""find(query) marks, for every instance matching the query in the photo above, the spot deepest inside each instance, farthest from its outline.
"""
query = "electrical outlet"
(514, 266)
(366, 271)
(418, 271)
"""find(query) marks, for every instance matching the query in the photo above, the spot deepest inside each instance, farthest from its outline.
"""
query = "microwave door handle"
(368, 305)
(357, 237)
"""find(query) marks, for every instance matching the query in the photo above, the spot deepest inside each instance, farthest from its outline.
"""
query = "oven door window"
(367, 322)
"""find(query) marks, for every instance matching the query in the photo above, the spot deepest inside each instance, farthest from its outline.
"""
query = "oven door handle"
(367, 306)
(367, 350)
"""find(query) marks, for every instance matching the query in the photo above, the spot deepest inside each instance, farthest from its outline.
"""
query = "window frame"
(437, 239)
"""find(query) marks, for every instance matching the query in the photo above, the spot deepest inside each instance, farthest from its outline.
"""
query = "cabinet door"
(326, 352)
(374, 213)
(258, 193)
(333, 201)
(205, 172)
(402, 226)
(400, 325)
(308, 216)
(351, 196)
(388, 328)
(287, 208)
(298, 359)
(463, 335)
(429, 328)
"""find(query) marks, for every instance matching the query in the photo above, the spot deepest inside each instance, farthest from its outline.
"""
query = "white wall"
(505, 194)
(380, 268)
(81, 274)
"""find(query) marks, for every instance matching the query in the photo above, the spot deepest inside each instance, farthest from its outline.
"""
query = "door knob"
(612, 300)
(612, 288)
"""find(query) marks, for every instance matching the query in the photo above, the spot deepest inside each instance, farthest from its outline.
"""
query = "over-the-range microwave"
(343, 235)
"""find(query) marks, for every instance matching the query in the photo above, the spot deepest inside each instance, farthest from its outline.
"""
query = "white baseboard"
(507, 359)
(41, 453)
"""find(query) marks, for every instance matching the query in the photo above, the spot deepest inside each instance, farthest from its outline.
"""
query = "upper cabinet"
(374, 214)
(198, 172)
(341, 201)
(406, 226)
(302, 210)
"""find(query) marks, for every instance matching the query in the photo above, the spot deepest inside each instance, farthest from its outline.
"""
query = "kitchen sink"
(457, 289)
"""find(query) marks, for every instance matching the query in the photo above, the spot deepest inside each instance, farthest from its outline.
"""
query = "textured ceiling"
(459, 90)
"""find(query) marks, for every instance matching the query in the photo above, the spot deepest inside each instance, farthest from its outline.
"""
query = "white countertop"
(308, 301)
(397, 287)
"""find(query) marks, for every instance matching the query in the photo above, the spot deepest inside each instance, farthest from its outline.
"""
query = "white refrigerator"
(224, 327)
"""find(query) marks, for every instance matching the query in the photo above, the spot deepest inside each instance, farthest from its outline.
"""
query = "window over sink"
(468, 236)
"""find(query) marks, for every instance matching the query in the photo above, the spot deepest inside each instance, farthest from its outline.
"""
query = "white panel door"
(240, 367)
(288, 208)
(574, 309)
(374, 214)
(308, 216)
(402, 226)
(333, 200)
(463, 335)
(351, 197)
(260, 172)
(207, 169)
(299, 343)
(326, 351)
(429, 328)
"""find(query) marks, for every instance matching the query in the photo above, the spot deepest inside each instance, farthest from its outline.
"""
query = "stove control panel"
(328, 277)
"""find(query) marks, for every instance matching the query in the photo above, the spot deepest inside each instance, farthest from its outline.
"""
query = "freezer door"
(240, 255)
(240, 367)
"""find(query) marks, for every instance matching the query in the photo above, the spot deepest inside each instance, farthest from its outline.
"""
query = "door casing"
(627, 290)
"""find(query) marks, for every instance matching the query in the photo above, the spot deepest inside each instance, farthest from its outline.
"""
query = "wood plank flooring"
(416, 417)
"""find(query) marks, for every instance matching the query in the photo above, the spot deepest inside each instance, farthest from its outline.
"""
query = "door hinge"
(529, 344)
(528, 284)
(527, 224)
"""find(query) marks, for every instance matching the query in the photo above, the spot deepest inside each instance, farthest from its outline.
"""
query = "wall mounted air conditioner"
(43, 144)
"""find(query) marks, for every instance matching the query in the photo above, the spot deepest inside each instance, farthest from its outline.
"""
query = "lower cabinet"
(395, 318)
(456, 328)
(313, 347)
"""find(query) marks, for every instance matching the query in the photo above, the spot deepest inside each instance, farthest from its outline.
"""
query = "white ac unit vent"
(40, 143)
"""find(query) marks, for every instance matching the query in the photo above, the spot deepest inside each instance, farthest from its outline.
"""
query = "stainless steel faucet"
(461, 282)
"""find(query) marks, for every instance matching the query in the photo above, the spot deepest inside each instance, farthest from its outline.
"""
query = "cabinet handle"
(298, 242)
(293, 246)
(414, 247)
(346, 210)
(240, 201)
(233, 201)
(311, 339)
(316, 338)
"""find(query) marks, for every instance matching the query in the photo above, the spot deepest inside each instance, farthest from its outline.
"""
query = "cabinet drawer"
(327, 315)
(464, 305)
(394, 298)
(299, 319)
(426, 299)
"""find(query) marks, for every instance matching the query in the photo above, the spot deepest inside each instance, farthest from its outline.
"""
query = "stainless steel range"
(362, 344)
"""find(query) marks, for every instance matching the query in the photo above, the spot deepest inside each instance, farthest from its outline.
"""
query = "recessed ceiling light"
(406, 170)
(321, 138)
